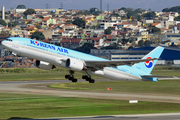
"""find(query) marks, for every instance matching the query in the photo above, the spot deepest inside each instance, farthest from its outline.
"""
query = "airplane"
(48, 56)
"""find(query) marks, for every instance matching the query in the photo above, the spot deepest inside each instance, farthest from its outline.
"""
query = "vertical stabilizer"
(148, 66)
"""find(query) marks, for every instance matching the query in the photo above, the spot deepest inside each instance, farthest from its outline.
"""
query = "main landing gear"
(71, 77)
(88, 78)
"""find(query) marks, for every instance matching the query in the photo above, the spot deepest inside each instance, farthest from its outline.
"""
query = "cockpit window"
(9, 40)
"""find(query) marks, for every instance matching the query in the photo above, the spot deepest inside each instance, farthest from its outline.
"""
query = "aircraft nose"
(4, 43)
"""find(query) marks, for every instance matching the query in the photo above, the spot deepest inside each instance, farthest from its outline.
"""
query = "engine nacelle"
(74, 64)
(44, 65)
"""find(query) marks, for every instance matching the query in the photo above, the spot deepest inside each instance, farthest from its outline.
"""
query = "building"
(170, 55)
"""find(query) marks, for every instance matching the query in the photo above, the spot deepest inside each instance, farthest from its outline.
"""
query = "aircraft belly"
(119, 75)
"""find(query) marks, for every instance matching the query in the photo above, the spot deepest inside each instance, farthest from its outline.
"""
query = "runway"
(40, 88)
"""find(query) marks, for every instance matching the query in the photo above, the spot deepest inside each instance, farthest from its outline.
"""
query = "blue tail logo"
(149, 64)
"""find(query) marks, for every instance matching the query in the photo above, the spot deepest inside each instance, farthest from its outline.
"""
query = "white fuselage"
(57, 60)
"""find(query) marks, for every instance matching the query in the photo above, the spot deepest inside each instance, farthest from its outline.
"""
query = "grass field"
(160, 87)
(38, 106)
(31, 106)
(24, 74)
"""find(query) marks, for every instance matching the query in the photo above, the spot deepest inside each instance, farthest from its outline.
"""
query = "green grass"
(46, 107)
(20, 74)
(161, 87)
(38, 106)
(24, 74)
(166, 72)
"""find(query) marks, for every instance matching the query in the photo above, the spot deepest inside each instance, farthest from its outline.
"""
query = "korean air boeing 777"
(49, 56)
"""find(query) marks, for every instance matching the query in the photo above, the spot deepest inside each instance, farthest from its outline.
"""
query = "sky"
(154, 5)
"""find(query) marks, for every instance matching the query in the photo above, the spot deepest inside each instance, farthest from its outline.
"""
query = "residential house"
(47, 33)
(46, 40)
(34, 18)
(122, 13)
(31, 29)
(60, 20)
(65, 42)
(143, 33)
(123, 25)
(89, 20)
(46, 21)
(106, 43)
(4, 28)
(70, 27)
(105, 25)
(3, 38)
(96, 41)
(75, 42)
(17, 32)
(158, 25)
(80, 34)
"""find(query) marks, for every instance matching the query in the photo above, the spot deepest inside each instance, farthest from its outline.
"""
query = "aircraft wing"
(101, 64)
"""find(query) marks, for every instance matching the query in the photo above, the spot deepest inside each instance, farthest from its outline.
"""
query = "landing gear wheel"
(84, 77)
(67, 76)
(74, 80)
(92, 81)
(71, 76)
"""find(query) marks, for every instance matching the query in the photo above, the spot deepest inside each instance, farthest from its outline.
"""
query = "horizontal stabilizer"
(157, 76)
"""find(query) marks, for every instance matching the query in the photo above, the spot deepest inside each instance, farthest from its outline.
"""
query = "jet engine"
(44, 65)
(74, 64)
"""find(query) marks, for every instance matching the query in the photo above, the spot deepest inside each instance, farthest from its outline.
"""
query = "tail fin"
(148, 66)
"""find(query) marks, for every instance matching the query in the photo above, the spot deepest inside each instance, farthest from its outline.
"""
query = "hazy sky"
(156, 5)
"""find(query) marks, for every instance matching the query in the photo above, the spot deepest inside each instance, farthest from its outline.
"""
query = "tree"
(124, 41)
(141, 43)
(139, 17)
(123, 8)
(156, 30)
(38, 35)
(12, 24)
(147, 42)
(38, 26)
(108, 31)
(79, 22)
(114, 15)
(29, 11)
(21, 7)
(68, 21)
(177, 18)
(150, 15)
(153, 29)
(86, 48)
(2, 22)
(139, 10)
(94, 11)
(172, 9)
